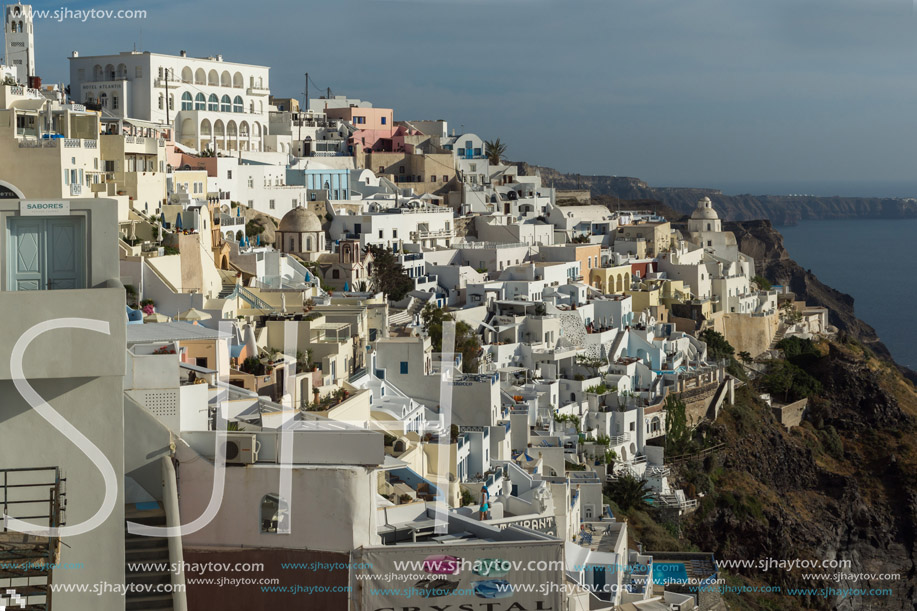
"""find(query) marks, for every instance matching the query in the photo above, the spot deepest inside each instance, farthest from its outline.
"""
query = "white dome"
(705, 211)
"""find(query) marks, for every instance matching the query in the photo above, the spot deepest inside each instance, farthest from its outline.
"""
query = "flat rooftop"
(170, 332)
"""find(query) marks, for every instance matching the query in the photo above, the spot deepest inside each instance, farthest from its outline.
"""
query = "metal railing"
(253, 300)
(12, 489)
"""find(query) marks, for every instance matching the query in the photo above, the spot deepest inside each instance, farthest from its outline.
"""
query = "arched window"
(103, 100)
(200, 103)
(237, 104)
(186, 101)
(213, 103)
(275, 515)
(225, 104)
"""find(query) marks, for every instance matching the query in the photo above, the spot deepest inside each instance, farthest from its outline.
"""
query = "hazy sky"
(720, 93)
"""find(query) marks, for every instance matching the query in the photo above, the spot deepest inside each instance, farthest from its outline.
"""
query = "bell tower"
(18, 31)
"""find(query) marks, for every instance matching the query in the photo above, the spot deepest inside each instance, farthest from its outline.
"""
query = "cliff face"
(779, 209)
(841, 486)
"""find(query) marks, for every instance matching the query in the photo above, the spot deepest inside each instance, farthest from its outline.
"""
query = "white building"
(20, 41)
(213, 104)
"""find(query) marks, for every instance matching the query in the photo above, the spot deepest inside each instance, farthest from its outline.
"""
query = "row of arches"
(222, 136)
(196, 77)
(215, 79)
(17, 27)
(109, 72)
(218, 104)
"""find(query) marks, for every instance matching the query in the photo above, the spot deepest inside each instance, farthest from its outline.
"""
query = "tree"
(467, 342)
(388, 275)
(677, 434)
(762, 282)
(627, 491)
(717, 345)
(745, 357)
(593, 364)
(790, 381)
(494, 149)
(9, 81)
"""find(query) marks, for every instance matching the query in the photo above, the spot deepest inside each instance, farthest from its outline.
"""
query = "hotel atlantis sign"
(44, 208)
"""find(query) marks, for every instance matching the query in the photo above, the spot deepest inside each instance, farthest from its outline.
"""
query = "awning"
(29, 104)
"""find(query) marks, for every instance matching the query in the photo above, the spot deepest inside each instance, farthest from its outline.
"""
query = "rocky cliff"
(779, 209)
(842, 486)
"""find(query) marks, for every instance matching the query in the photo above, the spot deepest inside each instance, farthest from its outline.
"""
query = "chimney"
(183, 53)
(75, 54)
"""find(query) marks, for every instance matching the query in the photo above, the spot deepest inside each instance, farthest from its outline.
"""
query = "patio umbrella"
(156, 317)
(258, 240)
(346, 287)
(178, 221)
(194, 315)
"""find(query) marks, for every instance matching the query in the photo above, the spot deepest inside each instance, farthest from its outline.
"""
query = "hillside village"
(256, 330)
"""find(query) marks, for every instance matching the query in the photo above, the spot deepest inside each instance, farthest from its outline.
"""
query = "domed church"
(300, 233)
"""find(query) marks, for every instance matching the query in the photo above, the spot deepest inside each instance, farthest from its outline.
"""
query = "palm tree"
(628, 491)
(494, 149)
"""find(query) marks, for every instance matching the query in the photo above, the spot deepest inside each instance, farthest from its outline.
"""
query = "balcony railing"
(619, 439)
(422, 235)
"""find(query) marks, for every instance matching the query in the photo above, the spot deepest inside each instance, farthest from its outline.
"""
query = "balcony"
(432, 235)
(258, 91)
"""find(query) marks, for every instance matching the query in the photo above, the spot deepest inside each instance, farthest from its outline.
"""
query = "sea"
(875, 262)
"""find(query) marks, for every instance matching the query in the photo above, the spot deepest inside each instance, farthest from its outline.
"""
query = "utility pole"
(167, 98)
(302, 110)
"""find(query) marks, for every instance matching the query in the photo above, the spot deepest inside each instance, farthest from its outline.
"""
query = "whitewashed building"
(213, 104)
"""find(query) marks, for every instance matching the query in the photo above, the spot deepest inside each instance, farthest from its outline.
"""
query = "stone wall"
(582, 196)
(746, 333)
(790, 415)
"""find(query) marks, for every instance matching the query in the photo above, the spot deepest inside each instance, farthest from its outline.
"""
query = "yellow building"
(422, 172)
(658, 236)
(611, 279)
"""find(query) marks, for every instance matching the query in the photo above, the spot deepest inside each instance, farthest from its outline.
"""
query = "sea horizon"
(824, 247)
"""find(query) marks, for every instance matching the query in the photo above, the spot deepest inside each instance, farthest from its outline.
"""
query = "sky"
(814, 96)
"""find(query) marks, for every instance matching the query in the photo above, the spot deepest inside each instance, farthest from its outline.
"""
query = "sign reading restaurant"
(43, 208)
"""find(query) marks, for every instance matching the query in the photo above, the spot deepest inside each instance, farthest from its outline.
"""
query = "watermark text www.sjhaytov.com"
(68, 14)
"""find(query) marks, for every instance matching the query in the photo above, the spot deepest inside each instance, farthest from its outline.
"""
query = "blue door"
(45, 253)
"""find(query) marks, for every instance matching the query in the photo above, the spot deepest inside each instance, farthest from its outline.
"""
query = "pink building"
(372, 124)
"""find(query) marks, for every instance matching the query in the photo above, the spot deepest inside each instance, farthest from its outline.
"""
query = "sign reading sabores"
(492, 576)
(44, 208)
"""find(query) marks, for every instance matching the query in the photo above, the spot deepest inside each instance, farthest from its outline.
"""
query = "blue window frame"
(404, 367)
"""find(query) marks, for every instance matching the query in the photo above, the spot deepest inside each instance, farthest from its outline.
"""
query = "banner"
(493, 576)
